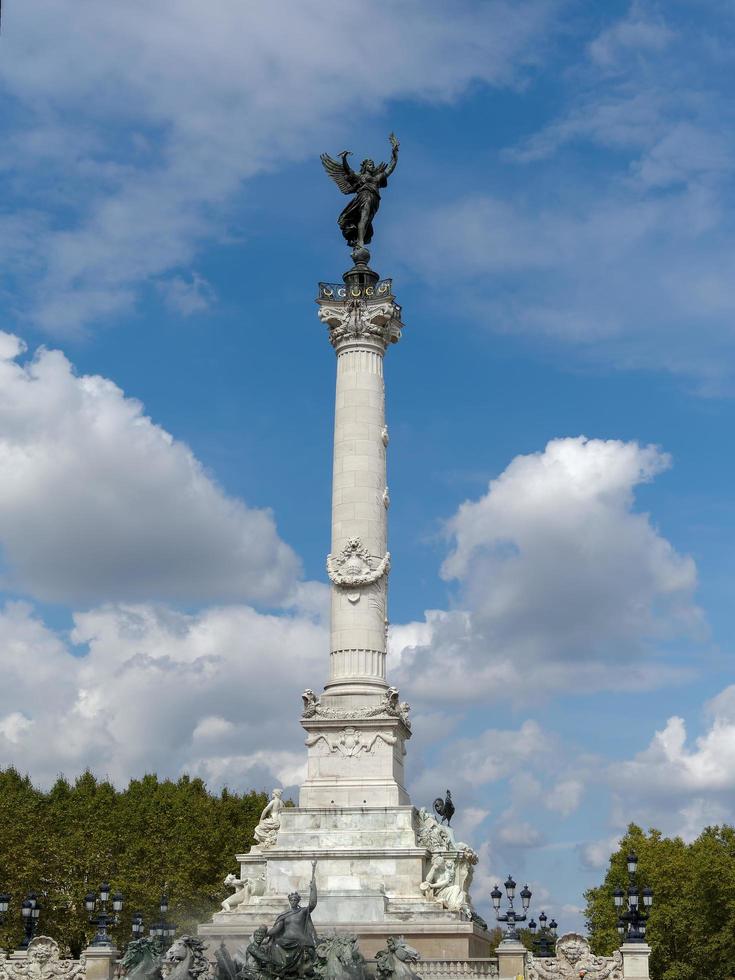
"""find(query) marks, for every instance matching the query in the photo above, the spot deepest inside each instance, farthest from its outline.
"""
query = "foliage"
(692, 926)
(151, 836)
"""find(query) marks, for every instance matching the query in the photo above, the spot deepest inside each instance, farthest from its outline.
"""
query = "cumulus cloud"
(231, 677)
(167, 112)
(519, 834)
(98, 503)
(624, 255)
(680, 786)
(595, 854)
(555, 569)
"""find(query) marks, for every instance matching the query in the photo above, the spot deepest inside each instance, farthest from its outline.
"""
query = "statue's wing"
(345, 181)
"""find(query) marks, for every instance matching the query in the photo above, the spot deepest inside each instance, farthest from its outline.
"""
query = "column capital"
(353, 321)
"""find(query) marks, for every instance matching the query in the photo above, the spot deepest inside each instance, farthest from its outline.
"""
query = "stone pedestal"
(368, 874)
(511, 959)
(635, 960)
(101, 962)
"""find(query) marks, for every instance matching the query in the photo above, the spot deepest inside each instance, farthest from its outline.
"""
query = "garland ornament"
(354, 566)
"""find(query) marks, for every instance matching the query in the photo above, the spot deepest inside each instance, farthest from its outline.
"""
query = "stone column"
(357, 729)
(635, 960)
(511, 955)
(363, 318)
(101, 962)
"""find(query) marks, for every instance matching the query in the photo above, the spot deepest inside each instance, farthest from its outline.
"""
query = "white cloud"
(556, 570)
(168, 111)
(596, 854)
(623, 253)
(677, 786)
(187, 296)
(97, 502)
(215, 694)
(495, 754)
(519, 834)
(637, 33)
(564, 798)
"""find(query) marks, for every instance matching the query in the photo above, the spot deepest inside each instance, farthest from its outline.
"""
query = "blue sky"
(560, 235)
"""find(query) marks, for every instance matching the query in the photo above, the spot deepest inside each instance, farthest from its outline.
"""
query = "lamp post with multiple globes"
(103, 919)
(633, 921)
(163, 930)
(511, 916)
(136, 926)
(30, 911)
(4, 906)
(545, 941)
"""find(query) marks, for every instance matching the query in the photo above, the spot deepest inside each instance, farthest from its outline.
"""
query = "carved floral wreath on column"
(353, 566)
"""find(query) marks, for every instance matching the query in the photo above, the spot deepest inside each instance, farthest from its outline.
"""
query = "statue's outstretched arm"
(345, 165)
(394, 155)
(312, 888)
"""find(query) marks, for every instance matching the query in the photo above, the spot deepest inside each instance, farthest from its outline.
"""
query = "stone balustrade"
(448, 969)
(476, 969)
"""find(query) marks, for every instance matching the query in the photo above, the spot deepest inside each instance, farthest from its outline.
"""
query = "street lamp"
(545, 942)
(30, 910)
(163, 930)
(137, 925)
(103, 919)
(511, 916)
(633, 921)
(4, 905)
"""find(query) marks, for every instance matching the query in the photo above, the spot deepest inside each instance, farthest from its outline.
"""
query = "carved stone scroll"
(575, 959)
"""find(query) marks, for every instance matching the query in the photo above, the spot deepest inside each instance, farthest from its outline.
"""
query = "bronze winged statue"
(356, 221)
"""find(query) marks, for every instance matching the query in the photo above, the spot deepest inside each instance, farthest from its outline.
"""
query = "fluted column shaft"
(359, 561)
(359, 512)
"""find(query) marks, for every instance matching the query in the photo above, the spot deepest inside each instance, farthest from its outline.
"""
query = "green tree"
(692, 925)
(152, 836)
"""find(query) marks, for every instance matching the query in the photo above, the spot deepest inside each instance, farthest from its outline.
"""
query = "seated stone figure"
(244, 891)
(266, 833)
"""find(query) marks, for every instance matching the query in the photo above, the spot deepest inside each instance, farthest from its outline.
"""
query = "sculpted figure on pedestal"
(431, 835)
(244, 891)
(396, 962)
(266, 833)
(452, 866)
(356, 220)
(292, 937)
(434, 876)
(311, 703)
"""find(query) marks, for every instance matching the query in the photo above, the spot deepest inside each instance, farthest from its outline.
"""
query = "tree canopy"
(692, 925)
(152, 835)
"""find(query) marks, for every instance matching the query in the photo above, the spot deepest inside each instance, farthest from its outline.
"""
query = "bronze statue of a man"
(356, 221)
(292, 937)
